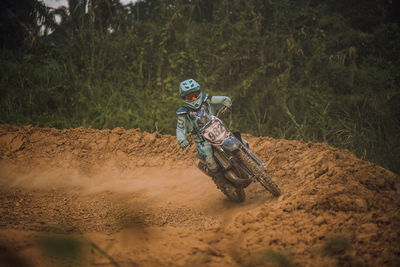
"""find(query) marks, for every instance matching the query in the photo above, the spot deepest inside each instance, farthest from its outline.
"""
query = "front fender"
(231, 144)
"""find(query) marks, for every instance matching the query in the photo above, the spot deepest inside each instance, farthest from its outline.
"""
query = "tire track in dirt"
(138, 196)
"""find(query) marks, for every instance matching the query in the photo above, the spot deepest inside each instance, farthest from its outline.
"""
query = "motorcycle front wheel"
(260, 173)
(268, 184)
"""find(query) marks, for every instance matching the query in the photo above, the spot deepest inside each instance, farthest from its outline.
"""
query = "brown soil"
(129, 198)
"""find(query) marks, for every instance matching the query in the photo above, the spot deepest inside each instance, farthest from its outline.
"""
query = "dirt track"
(127, 198)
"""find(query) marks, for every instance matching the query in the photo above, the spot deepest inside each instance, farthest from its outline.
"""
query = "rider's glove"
(227, 103)
(184, 143)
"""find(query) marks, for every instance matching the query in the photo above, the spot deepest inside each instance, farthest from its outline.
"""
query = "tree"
(21, 22)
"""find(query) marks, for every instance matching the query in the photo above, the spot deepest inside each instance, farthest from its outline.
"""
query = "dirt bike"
(239, 164)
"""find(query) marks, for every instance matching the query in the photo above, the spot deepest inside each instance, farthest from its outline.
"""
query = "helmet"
(191, 94)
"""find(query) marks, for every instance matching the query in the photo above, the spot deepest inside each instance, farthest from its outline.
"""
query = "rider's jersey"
(189, 121)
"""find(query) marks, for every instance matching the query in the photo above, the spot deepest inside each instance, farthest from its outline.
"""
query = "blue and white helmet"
(191, 94)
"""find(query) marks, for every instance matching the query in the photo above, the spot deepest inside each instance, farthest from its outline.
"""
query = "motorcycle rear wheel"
(231, 192)
(234, 194)
(260, 174)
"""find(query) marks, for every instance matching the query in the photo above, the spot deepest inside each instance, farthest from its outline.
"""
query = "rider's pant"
(206, 152)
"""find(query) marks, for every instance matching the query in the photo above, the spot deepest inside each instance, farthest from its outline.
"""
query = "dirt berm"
(128, 198)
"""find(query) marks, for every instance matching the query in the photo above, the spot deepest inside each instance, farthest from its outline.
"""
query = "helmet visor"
(192, 96)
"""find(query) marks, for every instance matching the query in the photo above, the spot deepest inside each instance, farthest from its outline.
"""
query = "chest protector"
(200, 116)
(197, 117)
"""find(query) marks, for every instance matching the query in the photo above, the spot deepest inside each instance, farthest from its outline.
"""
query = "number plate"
(215, 132)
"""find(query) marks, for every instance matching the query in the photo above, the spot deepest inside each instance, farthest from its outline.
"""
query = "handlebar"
(190, 137)
(221, 110)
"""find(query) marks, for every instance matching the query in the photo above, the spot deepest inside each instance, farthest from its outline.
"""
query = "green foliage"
(308, 70)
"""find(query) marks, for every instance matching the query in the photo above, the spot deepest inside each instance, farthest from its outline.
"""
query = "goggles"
(192, 96)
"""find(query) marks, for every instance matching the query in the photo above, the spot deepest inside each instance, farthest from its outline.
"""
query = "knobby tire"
(260, 173)
(234, 194)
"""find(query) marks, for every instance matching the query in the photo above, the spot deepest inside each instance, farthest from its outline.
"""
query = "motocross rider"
(193, 115)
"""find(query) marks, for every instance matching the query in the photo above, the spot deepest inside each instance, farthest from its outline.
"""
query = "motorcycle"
(239, 164)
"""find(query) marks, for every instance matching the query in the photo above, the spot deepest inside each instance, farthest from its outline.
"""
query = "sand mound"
(134, 198)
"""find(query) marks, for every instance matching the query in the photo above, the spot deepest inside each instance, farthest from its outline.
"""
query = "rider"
(196, 105)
